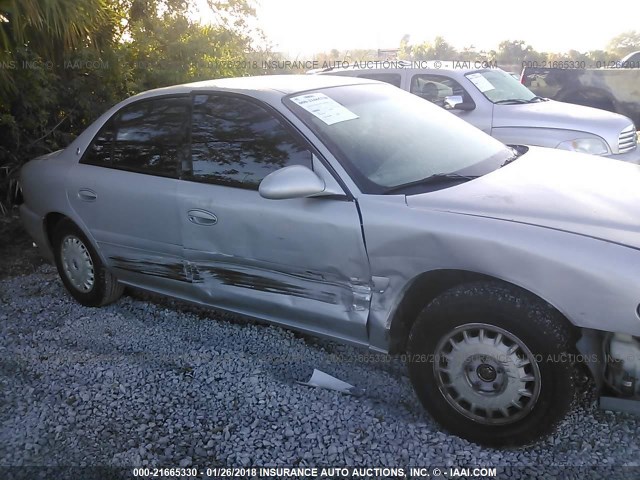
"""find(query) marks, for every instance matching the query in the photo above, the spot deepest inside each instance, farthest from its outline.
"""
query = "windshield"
(385, 137)
(500, 87)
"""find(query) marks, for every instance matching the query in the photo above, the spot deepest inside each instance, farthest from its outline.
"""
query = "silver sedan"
(350, 209)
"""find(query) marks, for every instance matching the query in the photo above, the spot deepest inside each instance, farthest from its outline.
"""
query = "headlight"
(594, 146)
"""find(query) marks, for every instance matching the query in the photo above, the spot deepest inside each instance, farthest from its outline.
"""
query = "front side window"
(147, 137)
(436, 88)
(236, 142)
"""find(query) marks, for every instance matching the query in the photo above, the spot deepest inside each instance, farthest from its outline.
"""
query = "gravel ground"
(150, 381)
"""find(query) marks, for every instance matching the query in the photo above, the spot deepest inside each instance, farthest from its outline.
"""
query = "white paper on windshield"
(323, 107)
(479, 81)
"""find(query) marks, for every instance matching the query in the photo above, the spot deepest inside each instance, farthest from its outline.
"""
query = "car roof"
(631, 55)
(282, 84)
(459, 67)
(268, 88)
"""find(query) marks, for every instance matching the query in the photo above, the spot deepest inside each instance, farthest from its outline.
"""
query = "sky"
(302, 27)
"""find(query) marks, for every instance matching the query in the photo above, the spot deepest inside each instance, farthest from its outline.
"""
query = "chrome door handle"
(87, 195)
(202, 217)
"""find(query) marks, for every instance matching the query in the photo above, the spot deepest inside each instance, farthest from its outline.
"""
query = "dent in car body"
(327, 302)
(550, 245)
(302, 259)
(146, 265)
(563, 267)
(252, 282)
(352, 293)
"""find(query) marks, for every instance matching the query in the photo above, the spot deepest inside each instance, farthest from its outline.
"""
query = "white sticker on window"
(323, 107)
(479, 81)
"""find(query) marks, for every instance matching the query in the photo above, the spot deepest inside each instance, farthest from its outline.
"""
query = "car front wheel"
(81, 269)
(492, 364)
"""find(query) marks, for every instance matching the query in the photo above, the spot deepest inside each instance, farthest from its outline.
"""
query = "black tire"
(104, 287)
(533, 328)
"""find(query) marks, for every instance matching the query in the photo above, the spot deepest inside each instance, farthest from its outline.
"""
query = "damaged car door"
(124, 190)
(298, 261)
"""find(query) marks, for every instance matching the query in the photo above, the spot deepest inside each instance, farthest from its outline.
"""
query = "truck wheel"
(81, 269)
(492, 364)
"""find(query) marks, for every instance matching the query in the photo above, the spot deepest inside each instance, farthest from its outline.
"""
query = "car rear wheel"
(492, 364)
(81, 269)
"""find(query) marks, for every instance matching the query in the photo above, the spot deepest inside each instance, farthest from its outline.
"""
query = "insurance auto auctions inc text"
(371, 64)
(368, 472)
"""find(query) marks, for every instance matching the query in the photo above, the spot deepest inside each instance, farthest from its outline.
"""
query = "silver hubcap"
(77, 263)
(487, 374)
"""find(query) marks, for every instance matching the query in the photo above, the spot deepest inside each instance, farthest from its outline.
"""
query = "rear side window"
(99, 152)
(146, 137)
(236, 142)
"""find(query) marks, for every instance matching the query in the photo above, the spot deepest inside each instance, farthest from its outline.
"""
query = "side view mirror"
(295, 181)
(456, 102)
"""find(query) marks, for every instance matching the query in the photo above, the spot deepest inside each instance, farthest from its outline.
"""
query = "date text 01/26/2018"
(579, 64)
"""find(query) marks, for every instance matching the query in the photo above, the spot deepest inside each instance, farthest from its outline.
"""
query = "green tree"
(422, 51)
(404, 52)
(50, 28)
(172, 49)
(512, 53)
(70, 21)
(439, 49)
(72, 59)
(598, 56)
(358, 55)
(623, 44)
(571, 55)
(469, 53)
(442, 50)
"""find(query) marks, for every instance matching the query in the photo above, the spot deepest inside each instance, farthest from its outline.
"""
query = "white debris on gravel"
(160, 383)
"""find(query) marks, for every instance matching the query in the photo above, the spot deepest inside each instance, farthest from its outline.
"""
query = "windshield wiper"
(511, 101)
(433, 180)
(538, 99)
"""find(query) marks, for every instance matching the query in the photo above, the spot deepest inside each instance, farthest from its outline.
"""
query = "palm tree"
(69, 22)
(48, 28)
